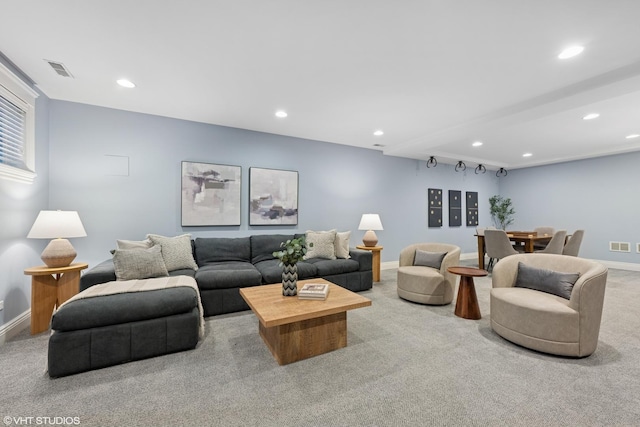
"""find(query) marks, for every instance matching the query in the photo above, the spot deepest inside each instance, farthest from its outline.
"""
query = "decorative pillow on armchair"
(176, 251)
(133, 264)
(323, 244)
(549, 281)
(429, 259)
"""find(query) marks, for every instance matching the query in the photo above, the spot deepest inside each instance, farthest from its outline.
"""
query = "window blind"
(12, 129)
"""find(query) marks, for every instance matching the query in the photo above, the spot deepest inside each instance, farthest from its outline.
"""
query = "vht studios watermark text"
(41, 421)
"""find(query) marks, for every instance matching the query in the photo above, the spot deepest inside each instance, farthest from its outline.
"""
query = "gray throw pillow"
(131, 264)
(549, 281)
(176, 251)
(429, 259)
(321, 244)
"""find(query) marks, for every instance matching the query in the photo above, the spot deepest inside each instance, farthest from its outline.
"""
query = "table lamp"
(370, 222)
(57, 225)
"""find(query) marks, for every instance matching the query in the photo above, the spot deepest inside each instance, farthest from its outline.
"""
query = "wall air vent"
(620, 246)
(59, 68)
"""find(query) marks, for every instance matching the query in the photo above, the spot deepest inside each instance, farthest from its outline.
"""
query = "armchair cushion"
(549, 281)
(429, 259)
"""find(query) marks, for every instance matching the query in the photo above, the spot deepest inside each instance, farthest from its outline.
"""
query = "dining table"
(527, 239)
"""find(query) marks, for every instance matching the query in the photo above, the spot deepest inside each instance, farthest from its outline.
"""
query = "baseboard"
(389, 265)
(630, 266)
(15, 326)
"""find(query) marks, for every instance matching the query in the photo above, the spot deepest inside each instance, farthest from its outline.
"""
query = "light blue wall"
(19, 207)
(601, 196)
(337, 183)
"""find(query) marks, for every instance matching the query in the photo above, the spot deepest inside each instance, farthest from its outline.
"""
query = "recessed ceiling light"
(570, 52)
(527, 155)
(126, 83)
(378, 133)
(633, 135)
(477, 144)
(591, 116)
(281, 114)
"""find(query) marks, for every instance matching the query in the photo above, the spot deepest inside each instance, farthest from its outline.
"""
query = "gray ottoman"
(101, 331)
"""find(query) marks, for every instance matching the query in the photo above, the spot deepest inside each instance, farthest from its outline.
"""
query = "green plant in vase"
(502, 211)
(293, 250)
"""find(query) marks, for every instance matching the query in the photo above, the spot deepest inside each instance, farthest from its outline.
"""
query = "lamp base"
(370, 239)
(58, 253)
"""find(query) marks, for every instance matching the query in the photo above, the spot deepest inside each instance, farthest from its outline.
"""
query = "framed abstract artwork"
(273, 197)
(210, 194)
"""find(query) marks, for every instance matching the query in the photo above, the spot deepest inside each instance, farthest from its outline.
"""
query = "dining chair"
(498, 246)
(572, 247)
(543, 231)
(556, 244)
(480, 230)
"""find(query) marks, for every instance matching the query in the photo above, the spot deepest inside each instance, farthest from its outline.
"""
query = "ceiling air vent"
(59, 68)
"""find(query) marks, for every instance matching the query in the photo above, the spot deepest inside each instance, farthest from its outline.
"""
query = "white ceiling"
(435, 75)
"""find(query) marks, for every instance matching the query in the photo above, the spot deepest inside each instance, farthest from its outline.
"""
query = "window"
(17, 128)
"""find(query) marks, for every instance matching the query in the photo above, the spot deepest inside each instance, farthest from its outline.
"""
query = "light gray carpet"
(406, 364)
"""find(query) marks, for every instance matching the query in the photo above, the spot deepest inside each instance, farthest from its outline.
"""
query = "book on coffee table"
(314, 291)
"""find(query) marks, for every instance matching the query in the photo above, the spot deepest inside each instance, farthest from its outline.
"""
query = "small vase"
(289, 280)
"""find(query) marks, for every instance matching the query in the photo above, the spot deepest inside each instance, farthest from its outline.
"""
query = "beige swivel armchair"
(427, 285)
(543, 321)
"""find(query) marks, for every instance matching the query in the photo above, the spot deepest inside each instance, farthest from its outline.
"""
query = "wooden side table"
(467, 302)
(375, 252)
(50, 287)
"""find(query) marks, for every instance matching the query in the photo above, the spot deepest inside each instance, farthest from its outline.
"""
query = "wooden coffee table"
(295, 329)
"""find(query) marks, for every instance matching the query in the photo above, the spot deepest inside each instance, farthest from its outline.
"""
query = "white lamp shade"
(370, 222)
(57, 224)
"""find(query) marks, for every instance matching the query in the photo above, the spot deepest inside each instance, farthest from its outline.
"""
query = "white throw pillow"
(134, 244)
(176, 251)
(342, 244)
(321, 244)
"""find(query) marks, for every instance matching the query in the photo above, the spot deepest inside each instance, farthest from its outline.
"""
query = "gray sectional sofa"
(227, 264)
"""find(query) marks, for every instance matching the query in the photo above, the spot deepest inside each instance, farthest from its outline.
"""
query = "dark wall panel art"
(435, 207)
(472, 209)
(455, 208)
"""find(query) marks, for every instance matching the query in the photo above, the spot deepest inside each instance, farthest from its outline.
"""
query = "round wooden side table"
(375, 261)
(50, 287)
(467, 302)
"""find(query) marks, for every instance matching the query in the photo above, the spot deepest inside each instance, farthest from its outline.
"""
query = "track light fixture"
(480, 169)
(460, 166)
(432, 162)
(501, 172)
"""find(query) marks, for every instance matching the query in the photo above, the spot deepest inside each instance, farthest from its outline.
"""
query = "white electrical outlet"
(1, 305)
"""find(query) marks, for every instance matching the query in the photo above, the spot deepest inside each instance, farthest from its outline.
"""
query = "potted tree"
(293, 250)
(502, 211)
